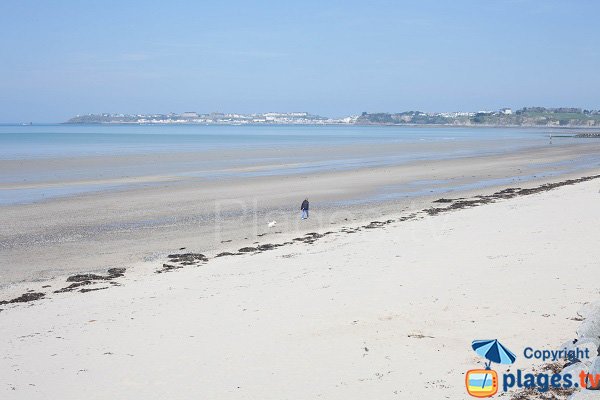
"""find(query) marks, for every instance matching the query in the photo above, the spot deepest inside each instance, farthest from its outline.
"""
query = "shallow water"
(23, 142)
(42, 162)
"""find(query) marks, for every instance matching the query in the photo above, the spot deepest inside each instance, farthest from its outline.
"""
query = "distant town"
(215, 118)
(527, 116)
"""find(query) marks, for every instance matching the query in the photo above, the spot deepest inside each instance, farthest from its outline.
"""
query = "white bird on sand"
(272, 224)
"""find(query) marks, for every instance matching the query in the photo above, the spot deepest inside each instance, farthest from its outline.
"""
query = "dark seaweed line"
(501, 195)
(179, 261)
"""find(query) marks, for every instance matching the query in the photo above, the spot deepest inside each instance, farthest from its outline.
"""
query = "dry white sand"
(384, 313)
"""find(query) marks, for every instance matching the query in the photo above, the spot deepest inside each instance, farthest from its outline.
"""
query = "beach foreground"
(382, 313)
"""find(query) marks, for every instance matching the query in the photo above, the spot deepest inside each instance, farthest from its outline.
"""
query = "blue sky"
(62, 58)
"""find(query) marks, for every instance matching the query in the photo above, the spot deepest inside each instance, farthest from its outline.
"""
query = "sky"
(334, 58)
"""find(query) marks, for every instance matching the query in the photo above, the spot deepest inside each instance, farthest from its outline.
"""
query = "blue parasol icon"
(493, 351)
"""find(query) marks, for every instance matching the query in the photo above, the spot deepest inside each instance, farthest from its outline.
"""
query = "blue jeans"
(304, 214)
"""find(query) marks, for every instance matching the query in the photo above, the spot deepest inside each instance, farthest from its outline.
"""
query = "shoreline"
(182, 259)
(143, 224)
(576, 127)
(410, 125)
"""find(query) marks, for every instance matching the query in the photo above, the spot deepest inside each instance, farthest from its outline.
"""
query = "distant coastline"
(563, 117)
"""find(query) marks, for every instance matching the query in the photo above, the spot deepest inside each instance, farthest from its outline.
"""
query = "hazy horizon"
(336, 59)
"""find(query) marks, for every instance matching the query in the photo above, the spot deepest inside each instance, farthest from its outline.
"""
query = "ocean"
(42, 162)
(46, 141)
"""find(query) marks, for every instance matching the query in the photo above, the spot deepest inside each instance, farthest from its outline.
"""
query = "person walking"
(304, 208)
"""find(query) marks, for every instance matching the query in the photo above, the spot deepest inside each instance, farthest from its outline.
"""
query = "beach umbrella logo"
(484, 382)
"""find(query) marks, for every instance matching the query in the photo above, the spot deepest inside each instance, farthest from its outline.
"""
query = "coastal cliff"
(527, 116)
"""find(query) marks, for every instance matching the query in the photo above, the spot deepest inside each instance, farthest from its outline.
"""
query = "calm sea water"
(258, 150)
(43, 141)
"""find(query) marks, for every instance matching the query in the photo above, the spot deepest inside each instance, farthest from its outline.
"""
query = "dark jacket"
(304, 205)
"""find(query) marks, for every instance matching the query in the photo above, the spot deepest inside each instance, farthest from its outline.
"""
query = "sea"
(41, 162)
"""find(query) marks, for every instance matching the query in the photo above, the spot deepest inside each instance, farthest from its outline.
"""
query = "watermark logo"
(484, 382)
(487, 382)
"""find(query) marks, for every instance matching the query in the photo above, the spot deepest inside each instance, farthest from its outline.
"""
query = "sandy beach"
(386, 310)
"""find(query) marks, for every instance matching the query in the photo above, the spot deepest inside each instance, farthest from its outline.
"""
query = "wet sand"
(97, 231)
